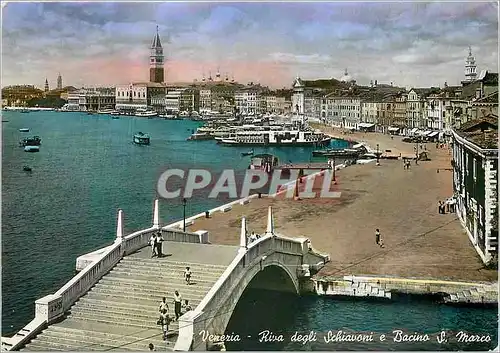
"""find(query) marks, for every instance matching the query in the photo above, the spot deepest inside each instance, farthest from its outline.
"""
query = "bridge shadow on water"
(284, 313)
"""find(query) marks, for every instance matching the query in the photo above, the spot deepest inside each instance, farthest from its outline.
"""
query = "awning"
(414, 130)
(432, 134)
(358, 145)
(426, 133)
(365, 125)
(393, 129)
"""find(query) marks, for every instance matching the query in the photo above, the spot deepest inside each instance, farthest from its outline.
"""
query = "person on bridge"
(165, 321)
(177, 305)
(152, 242)
(187, 275)
(159, 244)
(163, 306)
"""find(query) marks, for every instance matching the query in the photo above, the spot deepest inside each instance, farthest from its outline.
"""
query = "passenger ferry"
(145, 113)
(290, 138)
(141, 138)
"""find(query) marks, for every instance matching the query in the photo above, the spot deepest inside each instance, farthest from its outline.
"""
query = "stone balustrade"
(263, 249)
(93, 267)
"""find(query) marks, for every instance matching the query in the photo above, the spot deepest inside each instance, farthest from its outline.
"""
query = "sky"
(413, 44)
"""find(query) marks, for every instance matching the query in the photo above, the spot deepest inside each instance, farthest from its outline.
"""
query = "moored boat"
(344, 152)
(291, 138)
(141, 138)
(144, 113)
(24, 130)
(31, 141)
(105, 111)
(27, 169)
(200, 136)
(31, 148)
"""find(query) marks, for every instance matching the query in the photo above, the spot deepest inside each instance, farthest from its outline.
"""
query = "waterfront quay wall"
(450, 292)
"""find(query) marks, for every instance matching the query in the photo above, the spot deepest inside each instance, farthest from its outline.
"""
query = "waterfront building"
(247, 100)
(73, 101)
(94, 99)
(59, 82)
(205, 99)
(173, 102)
(342, 109)
(139, 95)
(271, 103)
(371, 106)
(475, 167)
(307, 98)
(416, 108)
(217, 96)
(179, 100)
(435, 112)
(19, 95)
(298, 97)
(156, 60)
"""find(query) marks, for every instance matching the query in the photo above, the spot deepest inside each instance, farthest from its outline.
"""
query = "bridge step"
(82, 344)
(89, 339)
(140, 294)
(171, 264)
(203, 279)
(115, 319)
(120, 312)
(128, 307)
(145, 282)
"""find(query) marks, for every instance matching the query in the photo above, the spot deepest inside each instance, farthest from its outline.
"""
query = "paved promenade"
(419, 242)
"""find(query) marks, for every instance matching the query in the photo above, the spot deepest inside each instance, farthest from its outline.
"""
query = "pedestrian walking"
(151, 347)
(152, 242)
(165, 322)
(159, 244)
(377, 236)
(187, 275)
(177, 305)
(163, 306)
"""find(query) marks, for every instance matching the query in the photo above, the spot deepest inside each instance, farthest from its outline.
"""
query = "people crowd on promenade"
(447, 206)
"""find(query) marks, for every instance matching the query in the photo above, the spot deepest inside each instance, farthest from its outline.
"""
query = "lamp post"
(184, 201)
(334, 167)
(378, 154)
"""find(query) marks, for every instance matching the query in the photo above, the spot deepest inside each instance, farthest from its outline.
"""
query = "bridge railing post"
(49, 308)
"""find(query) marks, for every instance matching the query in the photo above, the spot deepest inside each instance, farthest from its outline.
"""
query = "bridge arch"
(274, 273)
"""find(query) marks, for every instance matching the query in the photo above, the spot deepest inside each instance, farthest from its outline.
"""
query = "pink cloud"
(264, 72)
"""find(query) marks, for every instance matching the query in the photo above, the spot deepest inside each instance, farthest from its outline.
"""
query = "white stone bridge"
(112, 303)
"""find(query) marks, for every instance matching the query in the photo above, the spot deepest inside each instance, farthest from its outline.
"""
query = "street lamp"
(184, 201)
(378, 154)
(334, 167)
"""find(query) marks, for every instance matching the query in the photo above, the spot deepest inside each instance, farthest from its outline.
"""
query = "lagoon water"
(88, 167)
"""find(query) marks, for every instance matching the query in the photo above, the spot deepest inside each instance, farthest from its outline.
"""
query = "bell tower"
(470, 67)
(156, 70)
